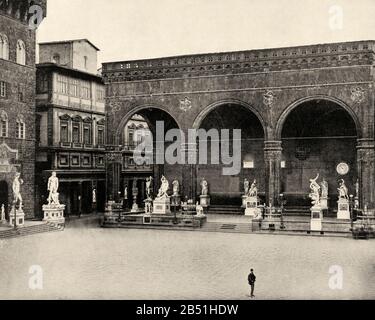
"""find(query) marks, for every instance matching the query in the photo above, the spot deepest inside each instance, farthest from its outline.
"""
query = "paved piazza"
(100, 263)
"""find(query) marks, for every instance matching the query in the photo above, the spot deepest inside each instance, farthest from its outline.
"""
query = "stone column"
(366, 173)
(113, 176)
(272, 158)
(189, 171)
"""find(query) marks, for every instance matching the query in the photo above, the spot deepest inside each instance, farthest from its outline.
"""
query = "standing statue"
(357, 189)
(2, 213)
(253, 192)
(17, 182)
(149, 187)
(176, 187)
(246, 186)
(94, 195)
(314, 194)
(163, 191)
(53, 186)
(204, 186)
(126, 193)
(324, 188)
(343, 190)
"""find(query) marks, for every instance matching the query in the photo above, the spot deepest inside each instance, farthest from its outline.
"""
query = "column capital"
(273, 145)
(367, 143)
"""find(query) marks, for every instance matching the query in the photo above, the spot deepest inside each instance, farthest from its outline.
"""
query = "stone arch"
(135, 110)
(295, 104)
(203, 114)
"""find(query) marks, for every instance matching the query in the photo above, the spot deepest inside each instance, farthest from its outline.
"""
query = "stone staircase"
(226, 209)
(227, 227)
(30, 230)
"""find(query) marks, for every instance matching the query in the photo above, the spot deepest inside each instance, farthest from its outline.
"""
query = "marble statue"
(126, 193)
(53, 186)
(324, 188)
(2, 213)
(246, 186)
(176, 187)
(149, 187)
(314, 194)
(163, 191)
(94, 195)
(16, 187)
(204, 186)
(253, 192)
(343, 190)
(357, 189)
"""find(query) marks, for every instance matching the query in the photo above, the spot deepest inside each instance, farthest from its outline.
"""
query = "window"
(62, 84)
(3, 89)
(4, 47)
(100, 94)
(56, 58)
(3, 124)
(76, 132)
(85, 62)
(74, 92)
(42, 83)
(87, 134)
(21, 52)
(100, 135)
(64, 131)
(21, 93)
(85, 90)
(131, 138)
(20, 127)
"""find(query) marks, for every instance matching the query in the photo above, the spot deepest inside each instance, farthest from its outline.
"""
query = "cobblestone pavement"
(94, 263)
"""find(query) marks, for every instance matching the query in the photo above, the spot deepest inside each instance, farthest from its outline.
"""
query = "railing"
(314, 56)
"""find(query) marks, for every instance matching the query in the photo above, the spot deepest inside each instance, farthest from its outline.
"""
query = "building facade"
(301, 110)
(71, 125)
(17, 102)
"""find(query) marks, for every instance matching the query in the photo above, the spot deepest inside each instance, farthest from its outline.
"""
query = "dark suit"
(251, 279)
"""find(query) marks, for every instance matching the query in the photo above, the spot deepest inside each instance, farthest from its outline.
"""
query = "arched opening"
(136, 128)
(317, 135)
(228, 189)
(4, 197)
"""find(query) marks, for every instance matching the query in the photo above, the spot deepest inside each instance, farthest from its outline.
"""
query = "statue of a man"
(149, 187)
(163, 191)
(315, 188)
(2, 213)
(253, 192)
(17, 182)
(53, 187)
(324, 188)
(204, 186)
(176, 187)
(343, 190)
(246, 186)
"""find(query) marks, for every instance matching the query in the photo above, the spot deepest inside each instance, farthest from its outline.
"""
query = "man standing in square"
(251, 279)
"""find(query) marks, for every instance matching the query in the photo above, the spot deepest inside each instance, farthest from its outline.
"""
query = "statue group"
(319, 193)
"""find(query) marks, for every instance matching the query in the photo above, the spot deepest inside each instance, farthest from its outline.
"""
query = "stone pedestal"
(343, 212)
(162, 206)
(54, 213)
(148, 207)
(200, 211)
(176, 200)
(135, 208)
(205, 201)
(19, 216)
(251, 205)
(316, 223)
(324, 203)
(244, 197)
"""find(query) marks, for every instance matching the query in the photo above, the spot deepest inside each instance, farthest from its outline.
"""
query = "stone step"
(26, 231)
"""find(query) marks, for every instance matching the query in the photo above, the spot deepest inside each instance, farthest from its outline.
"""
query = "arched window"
(21, 131)
(3, 124)
(56, 58)
(4, 47)
(21, 52)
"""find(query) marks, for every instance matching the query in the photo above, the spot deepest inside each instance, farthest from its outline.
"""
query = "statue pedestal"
(324, 203)
(244, 198)
(251, 205)
(162, 205)
(200, 211)
(205, 201)
(19, 216)
(316, 218)
(54, 213)
(148, 206)
(176, 200)
(343, 212)
(135, 208)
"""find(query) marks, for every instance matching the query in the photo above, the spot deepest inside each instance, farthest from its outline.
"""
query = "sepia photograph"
(187, 150)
